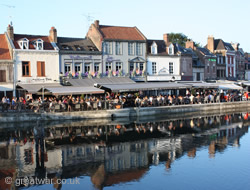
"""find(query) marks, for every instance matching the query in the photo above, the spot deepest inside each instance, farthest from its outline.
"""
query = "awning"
(33, 88)
(204, 85)
(6, 87)
(104, 80)
(144, 86)
(230, 87)
(71, 90)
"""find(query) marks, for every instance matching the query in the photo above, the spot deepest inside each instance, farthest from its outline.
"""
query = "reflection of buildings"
(116, 153)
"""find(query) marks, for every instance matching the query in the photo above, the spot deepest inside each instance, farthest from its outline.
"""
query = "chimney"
(10, 32)
(190, 44)
(53, 34)
(97, 23)
(210, 43)
(235, 46)
(166, 38)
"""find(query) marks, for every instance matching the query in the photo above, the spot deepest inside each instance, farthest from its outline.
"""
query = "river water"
(194, 152)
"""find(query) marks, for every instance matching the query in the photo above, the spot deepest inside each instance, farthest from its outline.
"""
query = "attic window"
(65, 47)
(78, 48)
(91, 48)
(171, 49)
(38, 44)
(154, 48)
(24, 43)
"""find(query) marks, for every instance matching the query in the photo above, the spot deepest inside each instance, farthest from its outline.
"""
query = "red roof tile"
(121, 33)
(4, 49)
(46, 42)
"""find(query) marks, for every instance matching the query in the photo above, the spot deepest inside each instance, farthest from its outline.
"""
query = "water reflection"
(113, 152)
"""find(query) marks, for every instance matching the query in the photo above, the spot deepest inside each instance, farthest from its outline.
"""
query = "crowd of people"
(115, 101)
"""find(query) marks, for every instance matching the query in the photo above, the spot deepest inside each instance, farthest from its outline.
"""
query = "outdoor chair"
(57, 108)
(212, 99)
(206, 100)
(217, 99)
(77, 107)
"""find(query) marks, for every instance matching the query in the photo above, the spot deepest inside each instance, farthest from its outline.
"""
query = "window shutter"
(43, 68)
(2, 76)
(39, 72)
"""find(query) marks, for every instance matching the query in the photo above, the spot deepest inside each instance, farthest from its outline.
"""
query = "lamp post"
(43, 94)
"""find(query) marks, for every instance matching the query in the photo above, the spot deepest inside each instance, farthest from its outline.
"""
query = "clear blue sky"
(226, 19)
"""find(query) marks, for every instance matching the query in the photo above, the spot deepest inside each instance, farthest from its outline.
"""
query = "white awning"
(6, 87)
(71, 90)
(230, 87)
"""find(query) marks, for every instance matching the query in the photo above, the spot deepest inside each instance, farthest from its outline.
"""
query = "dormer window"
(38, 44)
(24, 43)
(171, 49)
(154, 48)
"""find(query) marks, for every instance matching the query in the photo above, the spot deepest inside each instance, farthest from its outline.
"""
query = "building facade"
(36, 58)
(162, 66)
(123, 49)
(224, 49)
(240, 61)
(79, 57)
(6, 68)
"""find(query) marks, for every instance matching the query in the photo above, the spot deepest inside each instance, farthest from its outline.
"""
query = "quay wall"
(215, 108)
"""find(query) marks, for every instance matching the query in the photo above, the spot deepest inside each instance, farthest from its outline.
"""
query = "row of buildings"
(113, 51)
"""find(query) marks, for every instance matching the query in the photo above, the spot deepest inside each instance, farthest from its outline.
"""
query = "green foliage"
(178, 38)
(181, 39)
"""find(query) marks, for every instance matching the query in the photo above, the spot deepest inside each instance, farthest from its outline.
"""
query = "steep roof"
(76, 44)
(204, 51)
(121, 33)
(46, 42)
(4, 49)
(219, 44)
(161, 46)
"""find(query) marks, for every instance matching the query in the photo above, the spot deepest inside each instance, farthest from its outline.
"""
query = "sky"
(224, 19)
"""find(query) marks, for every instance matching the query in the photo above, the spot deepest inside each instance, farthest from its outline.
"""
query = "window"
(41, 69)
(38, 44)
(118, 48)
(96, 67)
(24, 43)
(141, 66)
(118, 66)
(26, 69)
(213, 69)
(208, 69)
(171, 49)
(198, 76)
(218, 73)
(171, 68)
(108, 66)
(108, 48)
(131, 66)
(77, 67)
(153, 68)
(154, 48)
(67, 67)
(131, 48)
(138, 48)
(2, 76)
(87, 67)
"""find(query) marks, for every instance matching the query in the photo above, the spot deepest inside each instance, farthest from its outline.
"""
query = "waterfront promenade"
(127, 112)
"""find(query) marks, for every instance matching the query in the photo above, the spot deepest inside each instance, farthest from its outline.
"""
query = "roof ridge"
(118, 26)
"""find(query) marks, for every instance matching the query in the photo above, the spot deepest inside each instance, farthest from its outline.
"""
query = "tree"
(181, 39)
(178, 38)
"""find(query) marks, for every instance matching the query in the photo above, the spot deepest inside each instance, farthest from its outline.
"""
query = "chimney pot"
(10, 32)
(97, 23)
(53, 34)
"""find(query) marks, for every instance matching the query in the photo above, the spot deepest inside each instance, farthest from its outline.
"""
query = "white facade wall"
(51, 59)
(124, 57)
(73, 59)
(162, 68)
